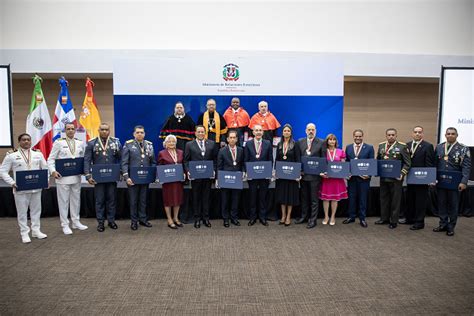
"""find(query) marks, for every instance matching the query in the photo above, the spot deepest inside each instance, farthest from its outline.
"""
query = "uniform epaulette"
(130, 141)
(93, 139)
(147, 141)
(11, 151)
(402, 143)
(34, 149)
(382, 143)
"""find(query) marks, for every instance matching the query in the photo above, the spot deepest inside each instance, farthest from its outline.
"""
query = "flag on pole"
(64, 112)
(38, 122)
(90, 117)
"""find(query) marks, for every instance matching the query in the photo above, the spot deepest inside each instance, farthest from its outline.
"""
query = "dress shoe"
(381, 222)
(440, 229)
(392, 226)
(235, 222)
(38, 234)
(25, 238)
(178, 224)
(281, 223)
(300, 221)
(450, 233)
(252, 222)
(363, 224)
(415, 227)
(78, 225)
(146, 224)
(113, 225)
(197, 224)
(172, 226)
(348, 220)
(287, 224)
(134, 226)
(332, 222)
(67, 230)
(311, 225)
(206, 223)
(325, 221)
(226, 223)
(100, 227)
(264, 222)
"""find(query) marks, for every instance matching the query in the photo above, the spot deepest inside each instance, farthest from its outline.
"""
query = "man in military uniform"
(68, 188)
(137, 152)
(21, 159)
(103, 150)
(391, 188)
(451, 156)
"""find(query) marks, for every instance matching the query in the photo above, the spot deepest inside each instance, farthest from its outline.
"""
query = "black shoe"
(100, 227)
(206, 223)
(235, 222)
(311, 225)
(172, 226)
(179, 224)
(450, 233)
(134, 226)
(252, 222)
(226, 223)
(392, 226)
(348, 220)
(381, 222)
(363, 224)
(264, 222)
(440, 229)
(112, 225)
(146, 224)
(300, 221)
(415, 227)
(197, 224)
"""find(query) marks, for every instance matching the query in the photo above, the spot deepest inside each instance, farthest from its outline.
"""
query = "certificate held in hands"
(142, 175)
(421, 176)
(31, 180)
(363, 167)
(70, 166)
(259, 170)
(449, 179)
(201, 169)
(170, 173)
(339, 170)
(230, 180)
(287, 170)
(389, 168)
(105, 173)
(314, 165)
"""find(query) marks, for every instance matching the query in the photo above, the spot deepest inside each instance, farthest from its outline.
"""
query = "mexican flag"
(90, 117)
(38, 122)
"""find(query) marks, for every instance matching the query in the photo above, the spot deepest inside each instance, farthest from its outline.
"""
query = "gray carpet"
(272, 270)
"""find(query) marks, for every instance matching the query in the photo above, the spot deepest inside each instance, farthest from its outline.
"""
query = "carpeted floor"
(244, 270)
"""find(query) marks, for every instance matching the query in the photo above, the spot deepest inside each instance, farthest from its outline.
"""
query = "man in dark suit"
(258, 149)
(230, 158)
(359, 186)
(200, 149)
(422, 155)
(313, 147)
(103, 150)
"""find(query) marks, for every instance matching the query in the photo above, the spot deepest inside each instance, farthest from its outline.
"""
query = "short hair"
(232, 131)
(262, 103)
(69, 123)
(168, 137)
(210, 100)
(138, 127)
(235, 98)
(198, 126)
(103, 123)
(331, 136)
(390, 129)
(23, 134)
(307, 125)
(256, 126)
(359, 130)
(452, 128)
(416, 126)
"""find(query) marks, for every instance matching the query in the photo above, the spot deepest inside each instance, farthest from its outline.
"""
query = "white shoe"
(25, 238)
(38, 234)
(67, 230)
(78, 225)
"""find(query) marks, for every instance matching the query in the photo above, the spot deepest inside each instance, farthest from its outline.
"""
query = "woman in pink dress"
(332, 190)
(172, 192)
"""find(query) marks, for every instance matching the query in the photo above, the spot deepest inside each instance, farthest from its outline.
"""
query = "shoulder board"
(402, 143)
(148, 142)
(130, 141)
(62, 138)
(11, 151)
(92, 139)
(33, 149)
(382, 143)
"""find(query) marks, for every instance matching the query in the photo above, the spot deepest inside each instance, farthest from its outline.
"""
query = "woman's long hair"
(331, 136)
(291, 143)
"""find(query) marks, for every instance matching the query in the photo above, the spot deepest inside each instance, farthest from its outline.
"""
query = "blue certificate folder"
(287, 170)
(389, 168)
(259, 170)
(363, 167)
(105, 173)
(230, 179)
(70, 166)
(201, 169)
(339, 170)
(314, 165)
(142, 175)
(170, 173)
(31, 179)
(421, 176)
(449, 179)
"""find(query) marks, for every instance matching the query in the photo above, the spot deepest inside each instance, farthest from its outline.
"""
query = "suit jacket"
(265, 155)
(424, 155)
(366, 152)
(225, 161)
(192, 152)
(318, 149)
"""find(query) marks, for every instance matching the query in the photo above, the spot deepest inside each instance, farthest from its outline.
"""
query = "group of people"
(231, 141)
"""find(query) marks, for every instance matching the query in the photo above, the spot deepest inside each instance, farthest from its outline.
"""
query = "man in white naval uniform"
(68, 188)
(22, 159)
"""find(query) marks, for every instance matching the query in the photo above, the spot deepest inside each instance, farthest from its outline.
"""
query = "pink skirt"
(333, 189)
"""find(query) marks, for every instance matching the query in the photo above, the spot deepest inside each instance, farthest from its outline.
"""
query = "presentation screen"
(299, 89)
(6, 122)
(457, 103)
